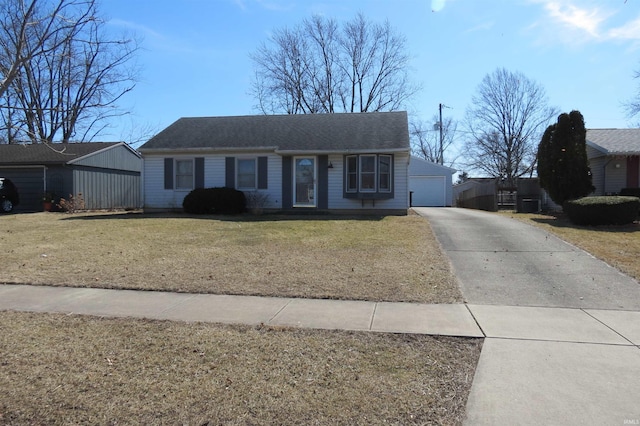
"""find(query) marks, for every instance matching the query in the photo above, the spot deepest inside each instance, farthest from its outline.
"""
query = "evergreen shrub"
(214, 201)
(607, 210)
(630, 192)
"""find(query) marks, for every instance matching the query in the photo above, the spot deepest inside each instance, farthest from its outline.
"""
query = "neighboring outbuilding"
(347, 163)
(614, 159)
(430, 184)
(107, 174)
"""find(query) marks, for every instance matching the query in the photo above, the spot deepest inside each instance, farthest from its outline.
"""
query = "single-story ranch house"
(349, 163)
(107, 174)
(614, 159)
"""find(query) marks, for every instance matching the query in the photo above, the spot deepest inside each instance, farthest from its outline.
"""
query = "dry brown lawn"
(61, 369)
(67, 369)
(619, 246)
(371, 258)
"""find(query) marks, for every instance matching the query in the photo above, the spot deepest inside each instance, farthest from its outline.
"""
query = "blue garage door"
(30, 183)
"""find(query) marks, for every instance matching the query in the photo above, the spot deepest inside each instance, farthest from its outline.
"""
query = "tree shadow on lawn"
(245, 217)
(561, 220)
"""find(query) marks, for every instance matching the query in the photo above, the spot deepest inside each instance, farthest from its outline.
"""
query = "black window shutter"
(323, 182)
(262, 173)
(168, 173)
(230, 172)
(199, 172)
(287, 182)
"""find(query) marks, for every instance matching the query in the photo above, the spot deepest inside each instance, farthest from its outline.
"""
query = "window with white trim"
(352, 174)
(367, 173)
(384, 173)
(368, 176)
(246, 173)
(184, 174)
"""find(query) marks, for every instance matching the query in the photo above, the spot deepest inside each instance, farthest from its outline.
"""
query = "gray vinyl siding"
(400, 201)
(616, 177)
(606, 177)
(215, 175)
(156, 197)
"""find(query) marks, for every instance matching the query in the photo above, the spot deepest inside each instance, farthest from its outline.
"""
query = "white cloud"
(581, 21)
(485, 26)
(587, 20)
(136, 27)
(628, 31)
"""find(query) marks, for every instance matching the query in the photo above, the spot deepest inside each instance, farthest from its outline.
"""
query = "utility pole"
(441, 150)
(441, 153)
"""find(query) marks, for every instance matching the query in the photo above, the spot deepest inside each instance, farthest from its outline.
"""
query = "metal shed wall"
(107, 189)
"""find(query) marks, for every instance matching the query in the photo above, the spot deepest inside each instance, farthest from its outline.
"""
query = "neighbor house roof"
(49, 153)
(343, 132)
(615, 141)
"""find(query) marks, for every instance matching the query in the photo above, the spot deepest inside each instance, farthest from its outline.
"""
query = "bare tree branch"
(318, 68)
(425, 138)
(73, 79)
(507, 117)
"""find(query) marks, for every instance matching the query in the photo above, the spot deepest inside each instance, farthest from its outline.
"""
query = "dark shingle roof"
(56, 153)
(615, 141)
(303, 132)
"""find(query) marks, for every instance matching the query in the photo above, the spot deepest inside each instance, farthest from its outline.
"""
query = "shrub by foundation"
(609, 210)
(214, 201)
(630, 192)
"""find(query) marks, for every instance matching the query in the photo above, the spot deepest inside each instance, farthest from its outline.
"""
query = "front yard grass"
(619, 246)
(66, 369)
(69, 369)
(371, 258)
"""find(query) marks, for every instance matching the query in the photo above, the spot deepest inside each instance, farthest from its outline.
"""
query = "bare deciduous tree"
(425, 138)
(73, 78)
(505, 121)
(632, 105)
(320, 67)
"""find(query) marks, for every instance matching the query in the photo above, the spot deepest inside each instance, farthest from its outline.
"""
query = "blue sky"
(195, 53)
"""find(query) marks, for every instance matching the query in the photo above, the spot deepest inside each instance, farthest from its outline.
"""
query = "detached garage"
(430, 184)
(107, 174)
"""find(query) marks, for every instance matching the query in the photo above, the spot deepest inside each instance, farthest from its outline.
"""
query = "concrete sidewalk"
(538, 365)
(450, 320)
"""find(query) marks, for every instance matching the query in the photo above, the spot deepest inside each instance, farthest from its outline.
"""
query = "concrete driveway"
(502, 261)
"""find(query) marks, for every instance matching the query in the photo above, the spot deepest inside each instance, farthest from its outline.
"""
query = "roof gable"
(50, 153)
(419, 166)
(382, 131)
(615, 141)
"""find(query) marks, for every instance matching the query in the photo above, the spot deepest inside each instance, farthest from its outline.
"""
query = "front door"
(304, 181)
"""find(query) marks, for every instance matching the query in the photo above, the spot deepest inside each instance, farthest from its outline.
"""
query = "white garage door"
(428, 191)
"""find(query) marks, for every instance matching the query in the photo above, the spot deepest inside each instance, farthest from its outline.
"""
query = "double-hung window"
(384, 173)
(351, 177)
(368, 176)
(246, 173)
(184, 174)
(367, 173)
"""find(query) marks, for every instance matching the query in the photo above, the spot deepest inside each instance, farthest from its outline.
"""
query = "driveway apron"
(502, 261)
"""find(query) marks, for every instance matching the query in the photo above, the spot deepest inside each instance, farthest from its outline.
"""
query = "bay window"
(368, 176)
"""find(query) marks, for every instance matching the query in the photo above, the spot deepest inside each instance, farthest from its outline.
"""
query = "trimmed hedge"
(214, 201)
(630, 192)
(608, 210)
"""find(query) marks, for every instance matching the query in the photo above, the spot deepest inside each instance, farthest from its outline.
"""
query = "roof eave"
(340, 151)
(204, 150)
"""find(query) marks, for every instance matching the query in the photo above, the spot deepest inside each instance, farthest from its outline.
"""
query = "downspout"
(604, 176)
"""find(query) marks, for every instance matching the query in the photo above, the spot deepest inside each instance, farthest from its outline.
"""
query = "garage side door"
(428, 191)
(30, 186)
